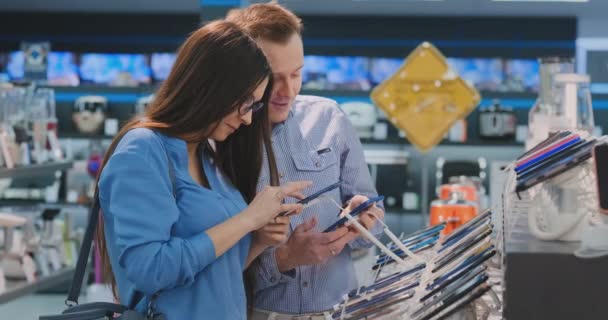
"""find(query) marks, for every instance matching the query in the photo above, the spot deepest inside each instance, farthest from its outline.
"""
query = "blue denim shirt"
(158, 243)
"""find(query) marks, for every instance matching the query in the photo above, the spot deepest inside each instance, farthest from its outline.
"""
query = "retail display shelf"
(35, 170)
(16, 289)
(74, 135)
(480, 143)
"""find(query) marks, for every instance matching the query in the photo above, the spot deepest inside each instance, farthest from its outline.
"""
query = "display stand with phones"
(449, 281)
(564, 206)
(554, 183)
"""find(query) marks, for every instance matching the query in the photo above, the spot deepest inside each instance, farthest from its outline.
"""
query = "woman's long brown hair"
(216, 70)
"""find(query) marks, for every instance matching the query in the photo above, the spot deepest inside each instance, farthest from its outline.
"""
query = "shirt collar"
(278, 127)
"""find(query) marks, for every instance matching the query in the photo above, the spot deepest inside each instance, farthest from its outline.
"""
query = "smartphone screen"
(600, 153)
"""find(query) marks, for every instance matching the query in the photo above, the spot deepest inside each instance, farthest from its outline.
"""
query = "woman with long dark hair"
(175, 226)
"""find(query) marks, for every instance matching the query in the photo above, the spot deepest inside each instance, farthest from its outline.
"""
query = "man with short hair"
(312, 140)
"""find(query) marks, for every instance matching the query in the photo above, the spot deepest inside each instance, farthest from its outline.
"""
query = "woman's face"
(242, 115)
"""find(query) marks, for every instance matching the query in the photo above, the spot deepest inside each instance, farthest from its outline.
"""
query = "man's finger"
(338, 245)
(307, 225)
(334, 235)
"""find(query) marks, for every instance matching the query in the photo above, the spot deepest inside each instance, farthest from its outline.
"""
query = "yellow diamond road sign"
(425, 97)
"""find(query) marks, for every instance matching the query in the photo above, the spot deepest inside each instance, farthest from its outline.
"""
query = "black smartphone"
(355, 212)
(471, 224)
(472, 232)
(600, 159)
(457, 301)
(468, 299)
(316, 195)
(556, 169)
(447, 297)
(456, 281)
(454, 255)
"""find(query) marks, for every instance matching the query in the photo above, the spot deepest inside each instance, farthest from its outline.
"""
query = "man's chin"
(278, 117)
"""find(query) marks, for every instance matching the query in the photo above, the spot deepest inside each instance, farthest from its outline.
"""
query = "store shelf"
(16, 289)
(477, 143)
(74, 135)
(35, 170)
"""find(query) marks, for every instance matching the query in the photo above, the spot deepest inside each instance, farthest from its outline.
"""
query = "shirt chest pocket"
(321, 160)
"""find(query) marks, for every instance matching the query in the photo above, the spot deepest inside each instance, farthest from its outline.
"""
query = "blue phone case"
(355, 212)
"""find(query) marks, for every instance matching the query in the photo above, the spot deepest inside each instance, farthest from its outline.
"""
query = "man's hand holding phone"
(308, 247)
(368, 217)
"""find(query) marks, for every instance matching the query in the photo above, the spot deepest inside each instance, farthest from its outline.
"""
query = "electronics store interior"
(414, 159)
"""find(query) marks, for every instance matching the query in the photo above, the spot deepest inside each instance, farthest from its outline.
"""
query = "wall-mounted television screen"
(14, 65)
(336, 73)
(115, 69)
(484, 74)
(62, 69)
(382, 68)
(521, 75)
(161, 65)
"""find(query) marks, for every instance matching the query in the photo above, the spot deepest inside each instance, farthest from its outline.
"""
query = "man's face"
(286, 61)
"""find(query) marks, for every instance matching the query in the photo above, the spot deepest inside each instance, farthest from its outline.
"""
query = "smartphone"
(471, 224)
(457, 301)
(553, 137)
(472, 232)
(386, 260)
(416, 248)
(315, 195)
(379, 298)
(468, 299)
(556, 169)
(469, 264)
(567, 145)
(355, 212)
(420, 235)
(381, 309)
(600, 159)
(453, 256)
(448, 297)
(553, 159)
(384, 282)
(561, 140)
(456, 281)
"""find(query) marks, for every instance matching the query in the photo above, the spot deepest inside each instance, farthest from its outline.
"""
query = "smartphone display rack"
(438, 277)
(541, 229)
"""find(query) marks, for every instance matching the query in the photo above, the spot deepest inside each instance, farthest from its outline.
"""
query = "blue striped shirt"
(314, 124)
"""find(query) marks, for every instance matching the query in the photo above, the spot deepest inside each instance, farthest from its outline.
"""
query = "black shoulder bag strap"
(87, 242)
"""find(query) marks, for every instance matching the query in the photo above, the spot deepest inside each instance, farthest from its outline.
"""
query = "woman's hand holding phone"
(268, 203)
(274, 233)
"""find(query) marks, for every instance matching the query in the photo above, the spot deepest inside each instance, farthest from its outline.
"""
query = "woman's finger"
(288, 207)
(295, 187)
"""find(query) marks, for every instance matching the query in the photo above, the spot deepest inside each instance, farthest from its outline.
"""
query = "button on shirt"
(157, 243)
(317, 142)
